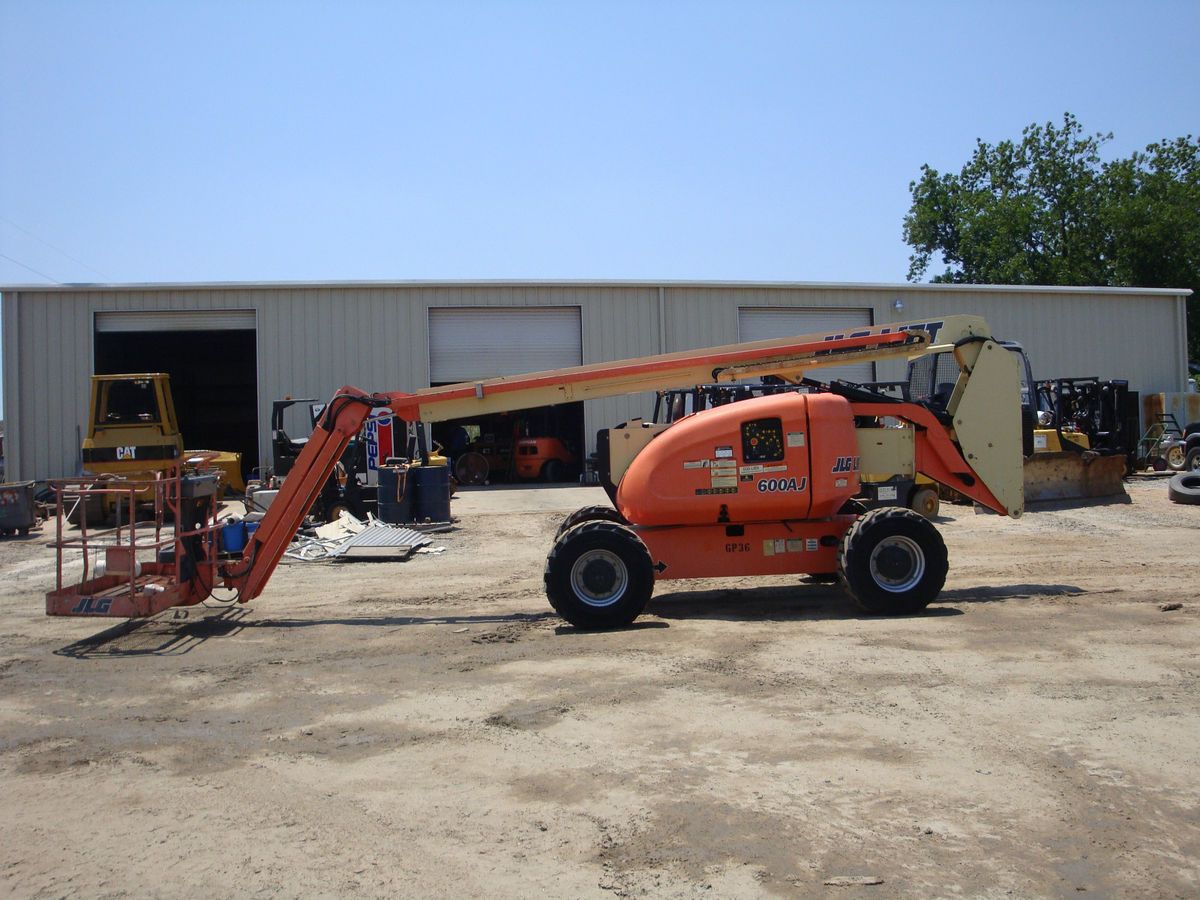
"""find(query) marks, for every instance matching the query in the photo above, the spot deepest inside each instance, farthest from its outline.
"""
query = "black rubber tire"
(916, 554)
(1192, 463)
(608, 559)
(1176, 459)
(590, 514)
(552, 471)
(1185, 488)
(925, 501)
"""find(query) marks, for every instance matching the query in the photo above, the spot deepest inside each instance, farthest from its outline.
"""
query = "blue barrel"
(233, 536)
(395, 495)
(431, 493)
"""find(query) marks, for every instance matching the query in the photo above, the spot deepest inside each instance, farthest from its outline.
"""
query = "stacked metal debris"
(351, 538)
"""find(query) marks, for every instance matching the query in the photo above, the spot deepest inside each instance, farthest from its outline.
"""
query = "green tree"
(1048, 210)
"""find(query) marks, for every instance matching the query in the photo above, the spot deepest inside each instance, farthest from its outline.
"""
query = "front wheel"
(1192, 463)
(552, 471)
(1176, 458)
(599, 575)
(893, 562)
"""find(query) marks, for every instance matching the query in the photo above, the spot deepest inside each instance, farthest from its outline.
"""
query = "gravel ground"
(429, 727)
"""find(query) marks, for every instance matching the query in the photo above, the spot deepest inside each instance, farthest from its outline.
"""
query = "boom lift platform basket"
(138, 568)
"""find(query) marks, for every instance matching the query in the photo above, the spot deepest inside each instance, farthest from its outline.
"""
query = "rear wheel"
(589, 514)
(1192, 463)
(1175, 458)
(925, 501)
(599, 575)
(893, 561)
(552, 471)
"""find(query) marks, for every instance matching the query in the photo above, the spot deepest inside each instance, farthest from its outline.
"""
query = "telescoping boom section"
(760, 487)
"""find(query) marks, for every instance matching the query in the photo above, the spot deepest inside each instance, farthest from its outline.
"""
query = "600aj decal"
(782, 484)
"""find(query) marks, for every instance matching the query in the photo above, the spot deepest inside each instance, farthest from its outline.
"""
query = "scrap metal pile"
(350, 538)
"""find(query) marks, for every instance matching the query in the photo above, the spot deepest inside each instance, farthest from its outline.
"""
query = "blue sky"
(176, 141)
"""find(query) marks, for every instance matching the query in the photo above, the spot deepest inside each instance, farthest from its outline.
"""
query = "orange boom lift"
(761, 487)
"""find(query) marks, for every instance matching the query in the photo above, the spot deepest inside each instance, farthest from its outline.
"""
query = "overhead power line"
(30, 268)
(73, 259)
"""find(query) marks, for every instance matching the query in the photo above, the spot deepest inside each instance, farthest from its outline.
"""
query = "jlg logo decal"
(845, 464)
(92, 606)
(932, 327)
(768, 485)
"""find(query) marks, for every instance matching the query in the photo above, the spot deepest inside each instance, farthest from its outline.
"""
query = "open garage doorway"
(214, 376)
(475, 343)
(544, 444)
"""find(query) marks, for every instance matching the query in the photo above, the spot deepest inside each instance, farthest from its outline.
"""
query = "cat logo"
(126, 453)
(845, 464)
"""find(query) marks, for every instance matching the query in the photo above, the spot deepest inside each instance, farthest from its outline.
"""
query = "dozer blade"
(1073, 476)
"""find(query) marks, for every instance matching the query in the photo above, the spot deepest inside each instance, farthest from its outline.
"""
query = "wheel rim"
(599, 578)
(1175, 457)
(1195, 466)
(897, 564)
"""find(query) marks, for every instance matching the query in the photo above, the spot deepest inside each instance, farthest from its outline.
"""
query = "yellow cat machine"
(133, 433)
(1084, 442)
(761, 487)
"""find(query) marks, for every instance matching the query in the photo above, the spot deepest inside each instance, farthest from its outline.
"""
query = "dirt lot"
(428, 727)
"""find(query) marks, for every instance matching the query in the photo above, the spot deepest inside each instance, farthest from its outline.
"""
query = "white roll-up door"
(176, 320)
(760, 324)
(466, 344)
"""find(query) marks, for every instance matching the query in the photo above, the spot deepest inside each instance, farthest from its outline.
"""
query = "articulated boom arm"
(787, 358)
(345, 414)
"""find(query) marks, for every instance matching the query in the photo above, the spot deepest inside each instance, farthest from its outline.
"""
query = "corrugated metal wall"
(313, 339)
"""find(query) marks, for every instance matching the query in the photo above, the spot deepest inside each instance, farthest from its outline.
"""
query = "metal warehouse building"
(233, 348)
